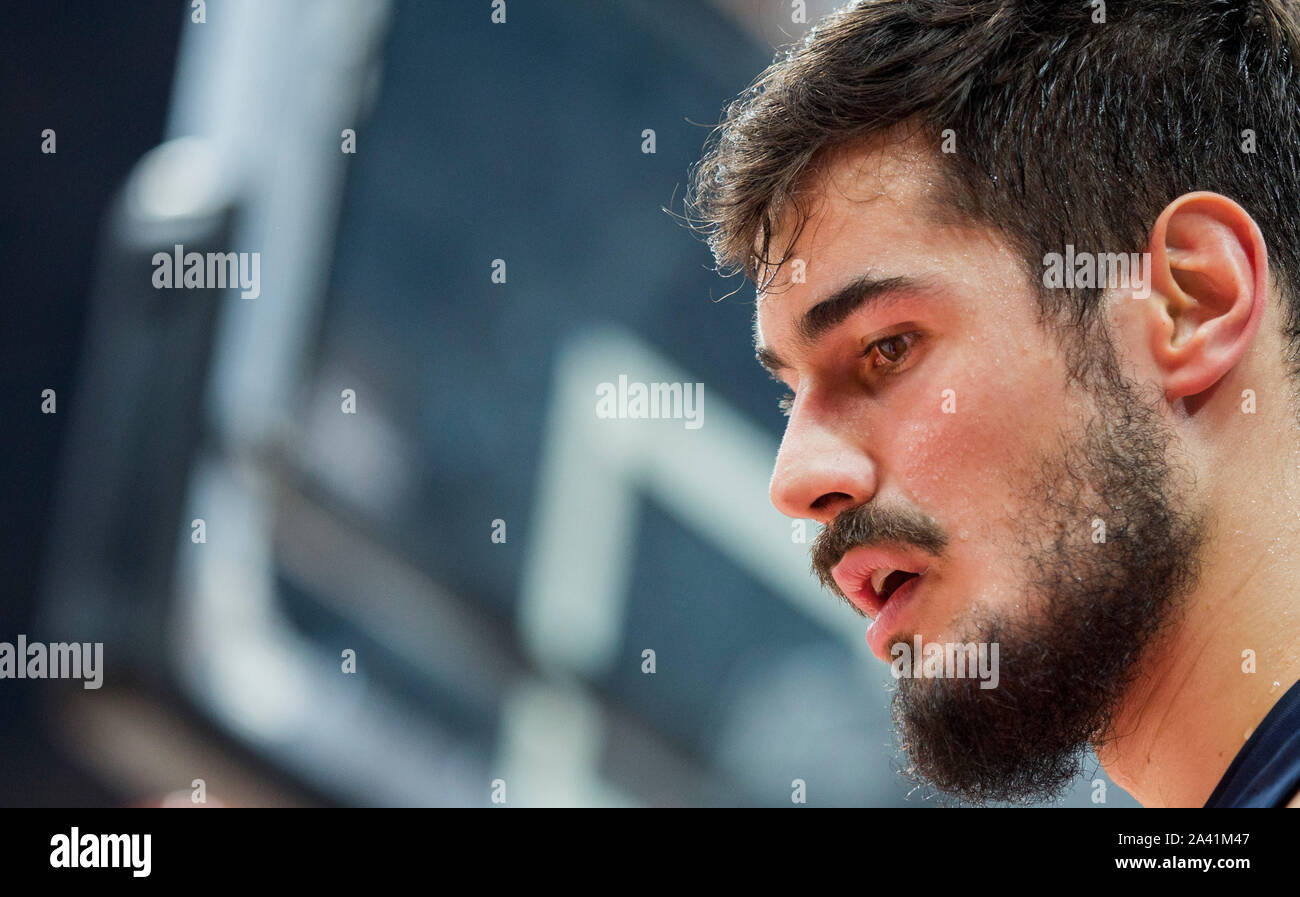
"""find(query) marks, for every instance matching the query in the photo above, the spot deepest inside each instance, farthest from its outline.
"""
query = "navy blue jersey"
(1266, 771)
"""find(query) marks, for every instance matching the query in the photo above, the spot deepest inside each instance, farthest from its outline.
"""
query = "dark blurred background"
(393, 454)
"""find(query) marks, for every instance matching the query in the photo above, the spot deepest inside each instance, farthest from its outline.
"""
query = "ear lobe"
(1209, 273)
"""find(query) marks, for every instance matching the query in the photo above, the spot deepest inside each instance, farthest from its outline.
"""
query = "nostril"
(830, 500)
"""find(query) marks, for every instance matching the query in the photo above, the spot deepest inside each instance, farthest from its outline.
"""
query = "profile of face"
(938, 426)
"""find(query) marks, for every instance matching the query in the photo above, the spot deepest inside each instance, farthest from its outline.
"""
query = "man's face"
(935, 429)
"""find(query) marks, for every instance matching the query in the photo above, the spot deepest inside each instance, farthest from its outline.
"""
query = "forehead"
(882, 213)
(855, 203)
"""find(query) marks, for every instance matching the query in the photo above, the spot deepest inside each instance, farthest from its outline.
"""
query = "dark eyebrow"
(769, 360)
(834, 309)
(857, 293)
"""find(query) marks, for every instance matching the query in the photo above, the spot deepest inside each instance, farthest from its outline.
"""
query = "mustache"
(868, 525)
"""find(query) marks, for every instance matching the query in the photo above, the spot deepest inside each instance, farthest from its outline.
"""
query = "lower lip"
(890, 616)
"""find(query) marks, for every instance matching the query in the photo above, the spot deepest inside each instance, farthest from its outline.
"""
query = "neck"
(1234, 651)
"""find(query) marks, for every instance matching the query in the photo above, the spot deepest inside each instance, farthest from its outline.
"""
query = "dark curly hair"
(1068, 128)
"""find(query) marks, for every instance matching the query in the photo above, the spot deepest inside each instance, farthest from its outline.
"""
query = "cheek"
(962, 464)
(976, 428)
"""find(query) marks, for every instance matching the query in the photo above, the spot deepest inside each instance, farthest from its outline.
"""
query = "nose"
(820, 471)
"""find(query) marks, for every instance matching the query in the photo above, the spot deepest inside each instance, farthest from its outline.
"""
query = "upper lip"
(853, 574)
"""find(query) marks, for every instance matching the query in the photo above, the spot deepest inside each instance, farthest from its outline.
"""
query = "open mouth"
(885, 582)
(868, 577)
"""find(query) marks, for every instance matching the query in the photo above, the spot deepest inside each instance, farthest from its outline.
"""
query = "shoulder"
(1294, 802)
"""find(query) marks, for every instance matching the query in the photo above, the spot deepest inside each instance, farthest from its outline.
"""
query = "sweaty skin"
(864, 430)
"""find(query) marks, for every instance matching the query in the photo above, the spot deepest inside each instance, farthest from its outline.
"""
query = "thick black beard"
(1093, 610)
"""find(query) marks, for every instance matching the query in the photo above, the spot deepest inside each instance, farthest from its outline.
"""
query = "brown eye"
(892, 349)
